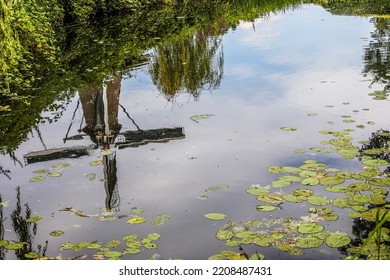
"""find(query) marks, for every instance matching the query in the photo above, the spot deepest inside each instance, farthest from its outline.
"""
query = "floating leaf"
(160, 219)
(318, 200)
(266, 208)
(380, 182)
(106, 152)
(310, 181)
(340, 202)
(257, 190)
(299, 151)
(336, 240)
(61, 165)
(34, 219)
(215, 216)
(275, 169)
(313, 166)
(303, 192)
(37, 179)
(294, 198)
(136, 220)
(354, 215)
(270, 198)
(224, 234)
(308, 242)
(66, 245)
(280, 183)
(137, 210)
(150, 246)
(218, 187)
(14, 246)
(288, 248)
(56, 233)
(291, 169)
(113, 255)
(257, 257)
(285, 128)
(331, 180)
(113, 243)
(263, 241)
(357, 187)
(336, 189)
(233, 243)
(375, 162)
(32, 255)
(54, 174)
(41, 171)
(96, 163)
(330, 217)
(153, 236)
(310, 228)
(196, 118)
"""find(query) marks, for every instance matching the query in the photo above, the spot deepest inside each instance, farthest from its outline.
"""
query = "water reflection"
(24, 229)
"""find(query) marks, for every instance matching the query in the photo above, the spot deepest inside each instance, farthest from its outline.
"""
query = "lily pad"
(308, 242)
(61, 165)
(41, 171)
(233, 243)
(32, 255)
(160, 219)
(331, 180)
(34, 219)
(285, 128)
(37, 179)
(218, 187)
(318, 200)
(380, 182)
(270, 198)
(196, 118)
(215, 216)
(263, 241)
(336, 240)
(106, 152)
(266, 208)
(336, 189)
(257, 190)
(303, 192)
(150, 246)
(280, 183)
(310, 181)
(96, 163)
(132, 251)
(275, 169)
(375, 162)
(224, 234)
(54, 174)
(113, 243)
(310, 228)
(136, 220)
(14, 246)
(137, 210)
(113, 255)
(56, 233)
(294, 198)
(153, 236)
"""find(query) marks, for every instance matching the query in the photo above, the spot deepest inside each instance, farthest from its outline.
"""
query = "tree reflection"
(190, 64)
(377, 54)
(24, 230)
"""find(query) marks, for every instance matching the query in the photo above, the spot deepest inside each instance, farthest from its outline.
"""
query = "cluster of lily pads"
(364, 195)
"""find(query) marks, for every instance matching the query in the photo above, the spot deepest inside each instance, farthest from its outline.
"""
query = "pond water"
(267, 94)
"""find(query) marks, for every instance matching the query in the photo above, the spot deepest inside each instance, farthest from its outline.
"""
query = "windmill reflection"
(100, 106)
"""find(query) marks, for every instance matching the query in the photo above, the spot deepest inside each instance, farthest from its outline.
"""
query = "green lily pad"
(224, 234)
(293, 198)
(310, 228)
(61, 165)
(308, 242)
(113, 255)
(310, 181)
(196, 118)
(266, 208)
(357, 187)
(54, 174)
(56, 233)
(288, 248)
(291, 178)
(136, 220)
(285, 128)
(330, 217)
(106, 152)
(291, 169)
(233, 243)
(113, 243)
(37, 179)
(263, 241)
(94, 246)
(375, 162)
(137, 210)
(150, 246)
(270, 198)
(380, 182)
(371, 214)
(96, 163)
(257, 257)
(34, 219)
(32, 255)
(318, 200)
(257, 190)
(275, 169)
(41, 171)
(280, 183)
(331, 180)
(303, 192)
(153, 236)
(336, 240)
(14, 246)
(299, 151)
(66, 245)
(215, 216)
(312, 166)
(354, 215)
(132, 251)
(246, 234)
(336, 189)
(160, 219)
(277, 235)
(362, 198)
(307, 173)
(341, 202)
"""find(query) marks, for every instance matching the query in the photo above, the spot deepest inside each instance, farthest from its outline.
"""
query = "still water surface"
(273, 73)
